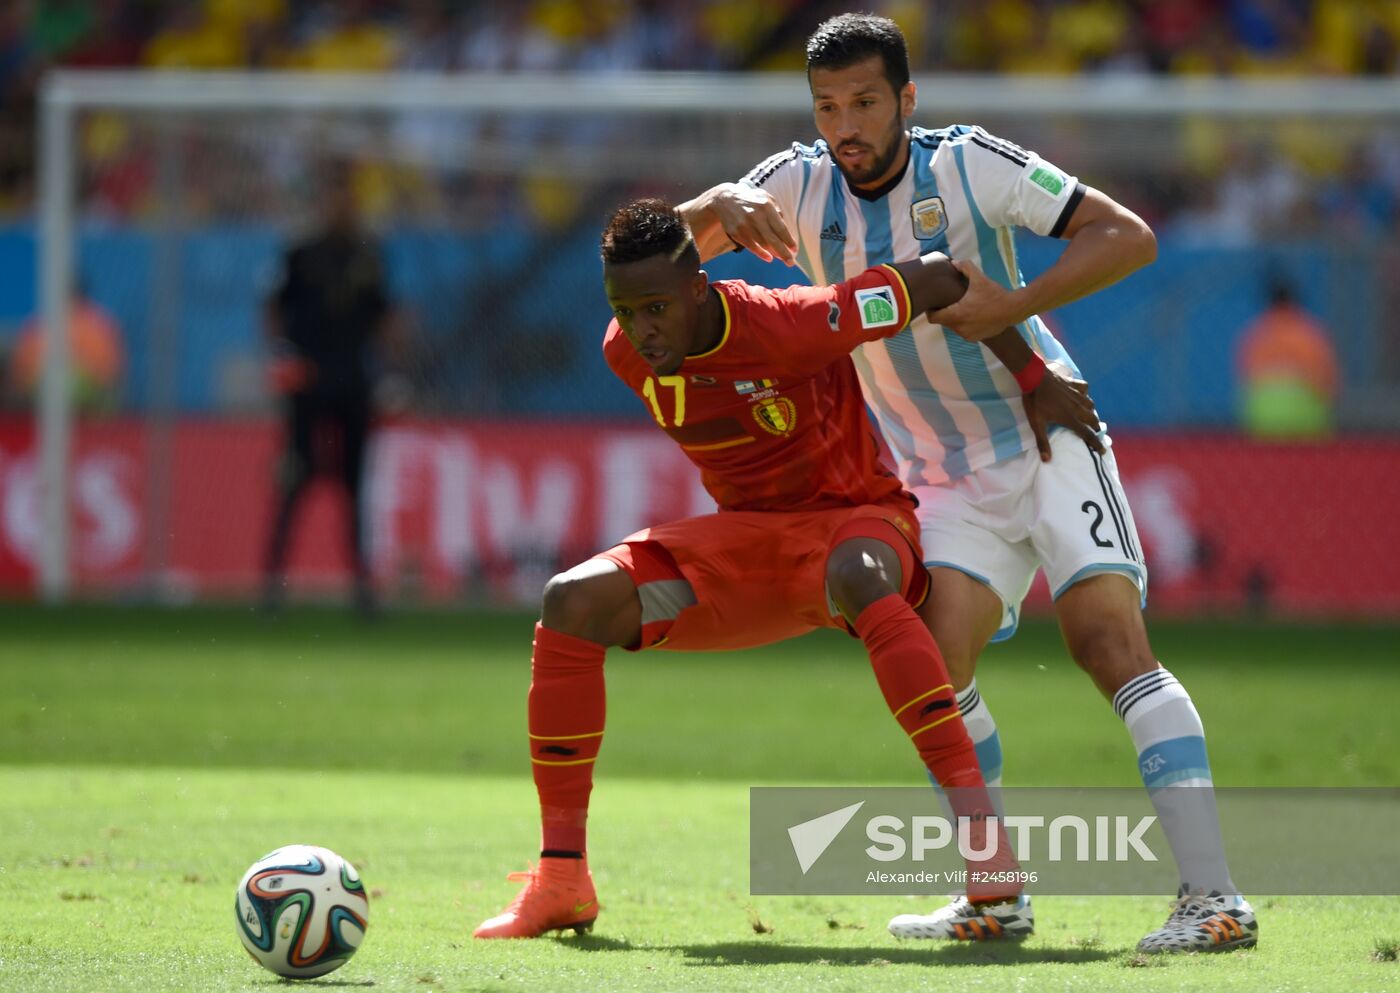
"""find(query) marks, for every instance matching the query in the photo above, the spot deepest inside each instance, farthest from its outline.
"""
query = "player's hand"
(1062, 399)
(984, 311)
(752, 219)
(289, 374)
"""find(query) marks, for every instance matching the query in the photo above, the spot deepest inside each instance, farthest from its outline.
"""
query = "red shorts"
(739, 579)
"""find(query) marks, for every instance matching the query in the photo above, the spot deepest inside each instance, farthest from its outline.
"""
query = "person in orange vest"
(96, 353)
(1288, 370)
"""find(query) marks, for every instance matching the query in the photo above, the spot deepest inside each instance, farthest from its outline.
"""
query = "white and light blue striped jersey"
(946, 406)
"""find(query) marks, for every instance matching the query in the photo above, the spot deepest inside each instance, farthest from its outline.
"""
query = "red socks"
(568, 703)
(914, 679)
(911, 674)
(566, 710)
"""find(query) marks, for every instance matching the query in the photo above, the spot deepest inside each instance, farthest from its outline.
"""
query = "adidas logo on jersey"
(833, 232)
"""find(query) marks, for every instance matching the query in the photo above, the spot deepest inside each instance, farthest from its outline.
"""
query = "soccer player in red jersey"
(757, 387)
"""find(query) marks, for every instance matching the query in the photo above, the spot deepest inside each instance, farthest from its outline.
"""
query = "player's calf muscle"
(594, 600)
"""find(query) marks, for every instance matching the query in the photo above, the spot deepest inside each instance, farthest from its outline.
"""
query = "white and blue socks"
(983, 732)
(982, 729)
(1171, 747)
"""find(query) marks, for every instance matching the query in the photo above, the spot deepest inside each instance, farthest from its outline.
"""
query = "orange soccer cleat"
(558, 894)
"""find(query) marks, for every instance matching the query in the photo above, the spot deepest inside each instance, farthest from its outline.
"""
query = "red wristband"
(1031, 373)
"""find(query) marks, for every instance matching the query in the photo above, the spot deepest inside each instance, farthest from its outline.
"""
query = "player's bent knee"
(1104, 630)
(1110, 652)
(859, 572)
(595, 600)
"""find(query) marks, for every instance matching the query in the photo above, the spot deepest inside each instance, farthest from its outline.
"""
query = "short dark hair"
(647, 227)
(841, 41)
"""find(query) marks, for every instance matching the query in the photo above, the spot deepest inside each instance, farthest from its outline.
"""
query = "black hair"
(841, 41)
(647, 227)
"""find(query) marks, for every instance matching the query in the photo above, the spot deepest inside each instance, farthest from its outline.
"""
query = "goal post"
(675, 133)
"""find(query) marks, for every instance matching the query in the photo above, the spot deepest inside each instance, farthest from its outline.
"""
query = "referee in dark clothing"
(328, 309)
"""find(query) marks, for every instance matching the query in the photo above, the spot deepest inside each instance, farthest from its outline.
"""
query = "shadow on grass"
(600, 943)
(761, 952)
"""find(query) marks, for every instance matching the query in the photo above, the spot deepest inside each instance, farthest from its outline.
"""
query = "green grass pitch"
(147, 757)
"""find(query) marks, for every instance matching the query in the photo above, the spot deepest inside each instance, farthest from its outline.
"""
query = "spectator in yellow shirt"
(191, 39)
(354, 43)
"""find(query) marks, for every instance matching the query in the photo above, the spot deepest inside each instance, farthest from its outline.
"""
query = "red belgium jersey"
(773, 415)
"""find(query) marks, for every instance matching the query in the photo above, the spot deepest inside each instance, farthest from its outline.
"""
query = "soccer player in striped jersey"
(876, 189)
(814, 530)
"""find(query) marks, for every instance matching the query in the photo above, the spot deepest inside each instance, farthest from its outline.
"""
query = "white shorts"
(999, 524)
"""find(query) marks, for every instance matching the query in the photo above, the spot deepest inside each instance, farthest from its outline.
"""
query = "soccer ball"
(302, 911)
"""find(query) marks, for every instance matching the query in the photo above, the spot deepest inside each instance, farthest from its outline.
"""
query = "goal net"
(503, 449)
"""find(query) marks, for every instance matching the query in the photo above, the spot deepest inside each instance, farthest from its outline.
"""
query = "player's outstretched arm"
(1050, 396)
(1107, 242)
(734, 214)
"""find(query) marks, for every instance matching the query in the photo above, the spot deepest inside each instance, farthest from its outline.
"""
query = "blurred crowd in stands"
(1250, 188)
(1211, 181)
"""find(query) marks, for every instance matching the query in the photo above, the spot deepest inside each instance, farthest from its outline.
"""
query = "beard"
(882, 163)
